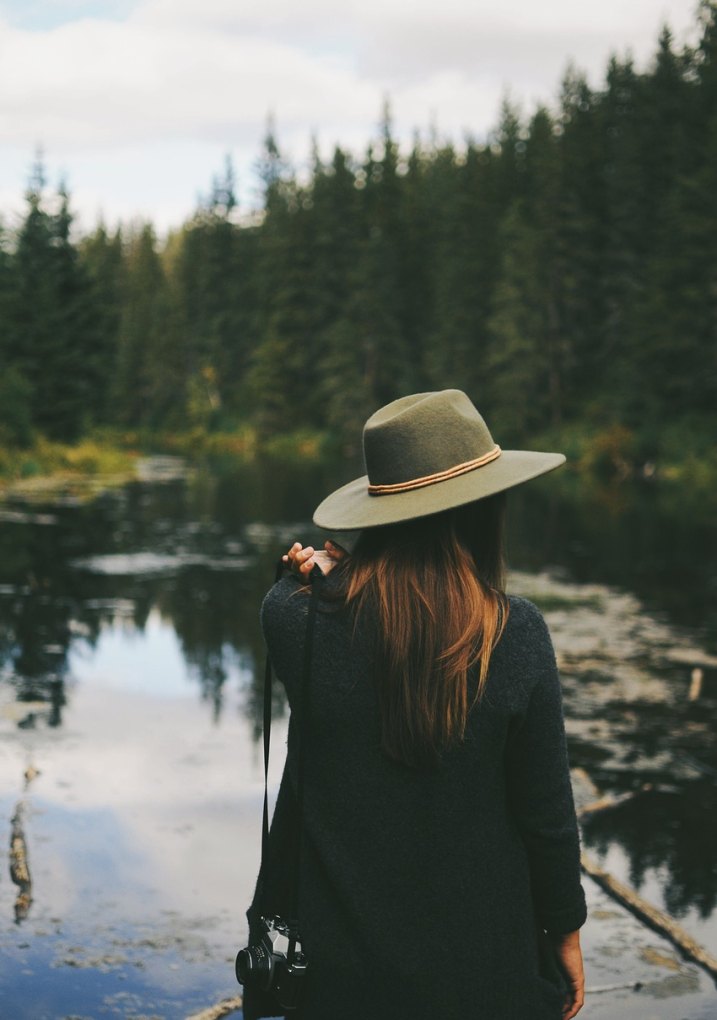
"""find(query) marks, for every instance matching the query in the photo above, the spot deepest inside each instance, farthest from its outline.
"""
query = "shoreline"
(101, 461)
(606, 460)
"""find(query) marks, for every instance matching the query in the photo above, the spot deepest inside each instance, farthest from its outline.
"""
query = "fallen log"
(19, 867)
(631, 986)
(656, 919)
(610, 801)
(224, 1008)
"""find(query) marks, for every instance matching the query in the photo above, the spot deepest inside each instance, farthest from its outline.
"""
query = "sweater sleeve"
(283, 619)
(542, 800)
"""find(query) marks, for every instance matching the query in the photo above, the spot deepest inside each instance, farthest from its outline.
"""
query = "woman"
(440, 860)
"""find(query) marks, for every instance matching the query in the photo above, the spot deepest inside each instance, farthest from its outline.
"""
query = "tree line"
(562, 272)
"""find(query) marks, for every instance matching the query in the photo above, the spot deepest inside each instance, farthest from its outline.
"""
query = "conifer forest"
(563, 272)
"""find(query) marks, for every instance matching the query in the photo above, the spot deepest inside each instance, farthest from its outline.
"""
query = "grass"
(47, 465)
(108, 457)
(45, 457)
(681, 457)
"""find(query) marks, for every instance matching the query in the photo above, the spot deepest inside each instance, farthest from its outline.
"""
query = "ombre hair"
(431, 592)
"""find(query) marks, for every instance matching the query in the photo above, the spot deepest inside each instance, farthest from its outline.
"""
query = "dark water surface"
(130, 687)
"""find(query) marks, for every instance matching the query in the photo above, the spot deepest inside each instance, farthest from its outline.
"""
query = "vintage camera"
(265, 965)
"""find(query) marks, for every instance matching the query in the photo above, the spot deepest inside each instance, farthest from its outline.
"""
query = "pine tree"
(15, 391)
(207, 280)
(283, 357)
(464, 264)
(582, 201)
(381, 284)
(342, 383)
(519, 362)
(675, 320)
(101, 258)
(143, 388)
(53, 319)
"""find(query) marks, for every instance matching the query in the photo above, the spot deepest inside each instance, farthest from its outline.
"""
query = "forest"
(562, 271)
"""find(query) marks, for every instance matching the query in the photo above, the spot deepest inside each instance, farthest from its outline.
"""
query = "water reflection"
(660, 543)
(143, 831)
(200, 552)
(179, 569)
(666, 832)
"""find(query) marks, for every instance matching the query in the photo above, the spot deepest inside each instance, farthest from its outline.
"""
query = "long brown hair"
(432, 592)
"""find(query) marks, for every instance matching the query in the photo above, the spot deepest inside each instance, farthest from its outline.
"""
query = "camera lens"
(243, 965)
(253, 967)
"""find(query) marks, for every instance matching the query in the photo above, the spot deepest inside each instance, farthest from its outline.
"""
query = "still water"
(130, 704)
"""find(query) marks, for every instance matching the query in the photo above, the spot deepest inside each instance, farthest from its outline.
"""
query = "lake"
(130, 718)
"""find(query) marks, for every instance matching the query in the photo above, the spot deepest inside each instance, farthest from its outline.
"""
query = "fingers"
(577, 1001)
(288, 558)
(302, 560)
(299, 559)
(305, 560)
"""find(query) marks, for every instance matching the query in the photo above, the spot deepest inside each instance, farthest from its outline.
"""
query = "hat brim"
(352, 508)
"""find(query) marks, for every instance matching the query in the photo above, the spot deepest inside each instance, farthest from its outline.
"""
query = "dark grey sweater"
(425, 894)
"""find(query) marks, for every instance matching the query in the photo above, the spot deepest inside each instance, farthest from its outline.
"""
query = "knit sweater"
(424, 893)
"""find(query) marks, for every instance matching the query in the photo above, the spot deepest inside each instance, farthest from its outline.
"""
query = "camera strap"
(316, 577)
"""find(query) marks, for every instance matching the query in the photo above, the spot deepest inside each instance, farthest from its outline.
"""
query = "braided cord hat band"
(437, 476)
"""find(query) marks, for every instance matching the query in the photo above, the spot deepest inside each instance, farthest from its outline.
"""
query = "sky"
(136, 103)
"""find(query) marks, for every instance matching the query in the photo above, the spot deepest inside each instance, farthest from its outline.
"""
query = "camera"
(266, 965)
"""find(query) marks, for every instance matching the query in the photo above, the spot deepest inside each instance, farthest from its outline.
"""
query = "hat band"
(439, 476)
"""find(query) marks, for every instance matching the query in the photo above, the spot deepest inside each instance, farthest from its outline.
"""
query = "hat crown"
(422, 435)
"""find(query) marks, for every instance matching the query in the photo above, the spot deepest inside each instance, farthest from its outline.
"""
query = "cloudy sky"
(136, 102)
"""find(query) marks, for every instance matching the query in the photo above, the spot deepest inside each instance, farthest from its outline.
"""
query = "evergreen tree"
(519, 363)
(144, 390)
(624, 224)
(282, 360)
(582, 201)
(381, 284)
(101, 258)
(15, 391)
(342, 383)
(562, 272)
(464, 263)
(52, 318)
(208, 292)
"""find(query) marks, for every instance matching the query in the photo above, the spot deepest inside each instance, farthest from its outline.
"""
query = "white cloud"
(155, 793)
(95, 83)
(203, 76)
(324, 17)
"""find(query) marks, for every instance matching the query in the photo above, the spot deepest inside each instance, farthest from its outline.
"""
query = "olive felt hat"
(426, 453)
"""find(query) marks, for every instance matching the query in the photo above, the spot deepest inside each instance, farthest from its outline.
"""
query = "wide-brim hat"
(426, 453)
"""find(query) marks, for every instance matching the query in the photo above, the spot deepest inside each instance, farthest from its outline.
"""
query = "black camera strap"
(267, 744)
(303, 719)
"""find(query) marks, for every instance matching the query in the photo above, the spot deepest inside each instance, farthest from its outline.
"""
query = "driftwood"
(656, 919)
(19, 867)
(590, 801)
(696, 677)
(610, 801)
(632, 986)
(224, 1008)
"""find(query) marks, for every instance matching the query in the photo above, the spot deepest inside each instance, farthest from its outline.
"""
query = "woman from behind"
(439, 848)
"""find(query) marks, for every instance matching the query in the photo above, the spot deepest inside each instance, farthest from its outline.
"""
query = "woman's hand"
(567, 949)
(302, 560)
